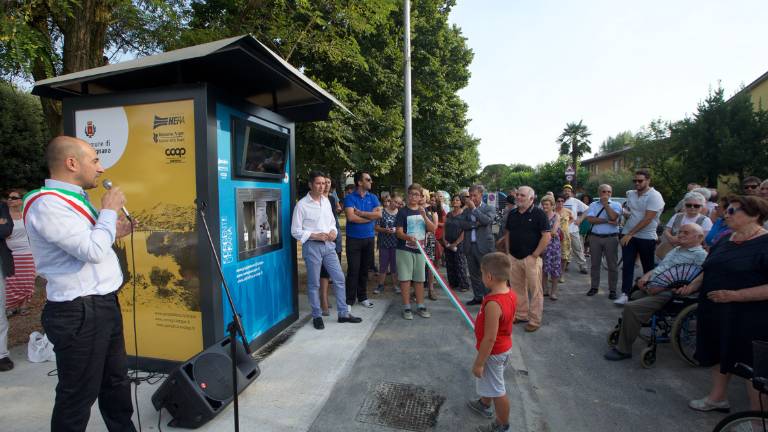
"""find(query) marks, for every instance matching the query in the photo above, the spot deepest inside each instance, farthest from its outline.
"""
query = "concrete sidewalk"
(294, 385)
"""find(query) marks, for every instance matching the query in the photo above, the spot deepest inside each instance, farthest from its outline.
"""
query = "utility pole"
(407, 107)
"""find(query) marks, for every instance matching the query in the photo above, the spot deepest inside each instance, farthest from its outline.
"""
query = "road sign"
(570, 171)
(569, 177)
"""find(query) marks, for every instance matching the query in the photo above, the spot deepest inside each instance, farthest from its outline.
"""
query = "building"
(758, 90)
(613, 161)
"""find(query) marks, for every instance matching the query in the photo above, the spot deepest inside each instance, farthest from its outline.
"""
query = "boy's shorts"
(410, 266)
(491, 384)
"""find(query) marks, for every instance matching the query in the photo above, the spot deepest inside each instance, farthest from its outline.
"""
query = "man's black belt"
(604, 235)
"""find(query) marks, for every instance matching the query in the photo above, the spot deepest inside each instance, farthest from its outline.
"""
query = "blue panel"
(262, 286)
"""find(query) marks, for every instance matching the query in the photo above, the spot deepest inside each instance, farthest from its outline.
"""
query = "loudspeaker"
(201, 387)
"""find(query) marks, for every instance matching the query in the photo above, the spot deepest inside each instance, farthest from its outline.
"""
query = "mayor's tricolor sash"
(73, 199)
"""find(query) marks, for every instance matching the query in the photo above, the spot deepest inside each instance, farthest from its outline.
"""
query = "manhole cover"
(401, 406)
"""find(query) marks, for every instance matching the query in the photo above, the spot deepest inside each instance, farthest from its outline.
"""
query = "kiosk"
(212, 124)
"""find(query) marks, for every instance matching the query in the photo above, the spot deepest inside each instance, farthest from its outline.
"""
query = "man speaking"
(72, 245)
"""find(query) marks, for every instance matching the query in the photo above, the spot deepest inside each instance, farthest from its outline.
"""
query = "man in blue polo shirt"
(361, 208)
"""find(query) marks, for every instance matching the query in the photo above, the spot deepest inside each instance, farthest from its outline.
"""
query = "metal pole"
(407, 108)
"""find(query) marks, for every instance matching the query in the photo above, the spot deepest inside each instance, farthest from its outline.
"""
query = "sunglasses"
(368, 180)
(751, 186)
(732, 210)
(14, 198)
(638, 180)
(693, 206)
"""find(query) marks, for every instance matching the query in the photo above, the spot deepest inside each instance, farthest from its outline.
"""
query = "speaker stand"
(234, 327)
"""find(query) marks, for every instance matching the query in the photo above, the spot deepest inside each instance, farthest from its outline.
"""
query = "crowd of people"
(509, 269)
(541, 237)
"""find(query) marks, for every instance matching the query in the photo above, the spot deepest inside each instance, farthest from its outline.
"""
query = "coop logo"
(179, 151)
(167, 121)
(90, 129)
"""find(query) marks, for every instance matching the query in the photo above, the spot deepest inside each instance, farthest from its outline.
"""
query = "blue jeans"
(319, 254)
(643, 247)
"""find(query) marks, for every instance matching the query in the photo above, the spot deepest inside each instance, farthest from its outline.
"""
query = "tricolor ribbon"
(448, 291)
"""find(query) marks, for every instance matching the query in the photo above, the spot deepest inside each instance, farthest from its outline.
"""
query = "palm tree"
(574, 142)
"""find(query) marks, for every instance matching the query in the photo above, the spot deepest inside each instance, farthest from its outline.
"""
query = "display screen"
(261, 152)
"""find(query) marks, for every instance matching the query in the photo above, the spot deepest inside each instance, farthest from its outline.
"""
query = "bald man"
(72, 245)
(648, 300)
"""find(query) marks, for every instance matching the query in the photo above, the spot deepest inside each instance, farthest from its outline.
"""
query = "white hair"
(706, 193)
(695, 196)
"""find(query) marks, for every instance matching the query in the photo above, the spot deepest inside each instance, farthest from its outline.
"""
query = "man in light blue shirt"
(604, 239)
(72, 245)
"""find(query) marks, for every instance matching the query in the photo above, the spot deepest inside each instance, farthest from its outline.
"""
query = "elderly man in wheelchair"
(654, 296)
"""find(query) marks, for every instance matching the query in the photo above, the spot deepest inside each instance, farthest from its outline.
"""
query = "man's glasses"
(732, 210)
(13, 198)
(693, 206)
(368, 180)
(751, 186)
(638, 180)
(605, 191)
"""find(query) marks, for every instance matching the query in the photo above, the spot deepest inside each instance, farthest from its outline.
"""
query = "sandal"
(432, 295)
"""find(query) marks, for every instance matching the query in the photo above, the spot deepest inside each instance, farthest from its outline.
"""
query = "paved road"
(558, 382)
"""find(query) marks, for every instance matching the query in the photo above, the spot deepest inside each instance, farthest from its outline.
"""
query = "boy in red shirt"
(493, 330)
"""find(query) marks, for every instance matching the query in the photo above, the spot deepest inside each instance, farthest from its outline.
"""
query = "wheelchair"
(675, 322)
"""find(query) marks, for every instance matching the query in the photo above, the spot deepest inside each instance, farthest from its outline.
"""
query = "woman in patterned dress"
(387, 243)
(551, 268)
(565, 245)
(19, 287)
(453, 236)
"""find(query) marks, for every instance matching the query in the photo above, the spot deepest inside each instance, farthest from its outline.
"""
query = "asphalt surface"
(558, 380)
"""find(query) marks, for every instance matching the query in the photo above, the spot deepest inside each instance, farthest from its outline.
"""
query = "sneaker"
(378, 290)
(704, 404)
(6, 364)
(477, 406)
(367, 303)
(583, 270)
(616, 355)
(562, 279)
(326, 312)
(622, 300)
(591, 292)
(424, 313)
(397, 290)
(407, 314)
(493, 427)
(612, 295)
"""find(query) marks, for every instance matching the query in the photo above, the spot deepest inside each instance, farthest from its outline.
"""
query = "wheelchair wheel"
(613, 338)
(647, 357)
(743, 421)
(684, 334)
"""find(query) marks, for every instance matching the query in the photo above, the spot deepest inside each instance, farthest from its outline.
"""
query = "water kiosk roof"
(241, 65)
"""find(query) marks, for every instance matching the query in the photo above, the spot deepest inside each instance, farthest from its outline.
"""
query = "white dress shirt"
(75, 256)
(311, 217)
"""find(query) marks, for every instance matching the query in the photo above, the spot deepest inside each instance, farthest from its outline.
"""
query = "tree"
(22, 135)
(574, 142)
(621, 141)
(722, 138)
(46, 38)
(492, 176)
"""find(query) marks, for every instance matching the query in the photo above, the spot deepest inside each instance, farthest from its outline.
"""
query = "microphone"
(108, 185)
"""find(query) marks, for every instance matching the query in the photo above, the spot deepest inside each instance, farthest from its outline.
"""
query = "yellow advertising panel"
(149, 152)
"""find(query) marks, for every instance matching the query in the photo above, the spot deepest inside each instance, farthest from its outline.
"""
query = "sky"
(616, 65)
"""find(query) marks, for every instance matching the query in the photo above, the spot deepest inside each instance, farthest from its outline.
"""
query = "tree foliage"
(22, 134)
(723, 138)
(618, 142)
(41, 39)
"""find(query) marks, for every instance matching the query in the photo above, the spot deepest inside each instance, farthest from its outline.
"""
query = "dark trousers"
(359, 253)
(643, 247)
(474, 257)
(87, 336)
(456, 267)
